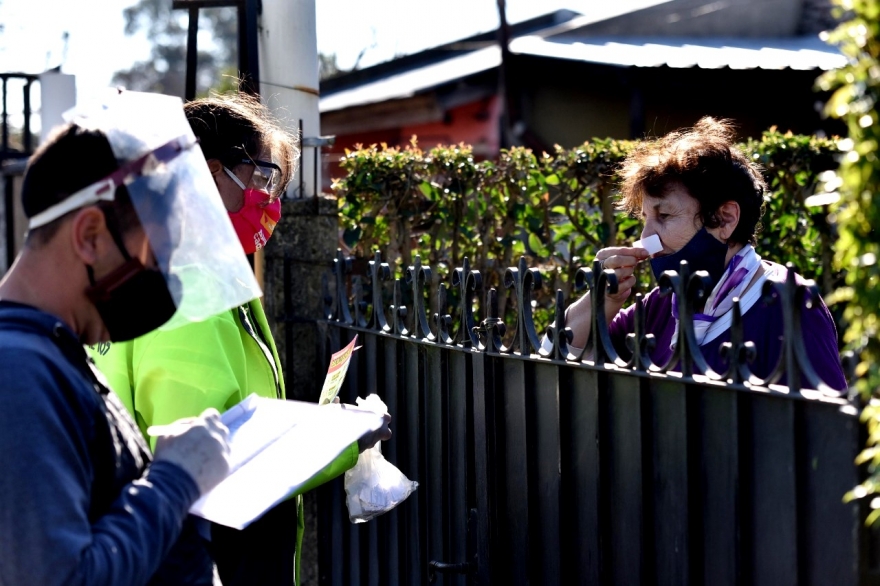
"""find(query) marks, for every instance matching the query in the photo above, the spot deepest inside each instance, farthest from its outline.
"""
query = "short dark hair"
(71, 158)
(231, 123)
(708, 163)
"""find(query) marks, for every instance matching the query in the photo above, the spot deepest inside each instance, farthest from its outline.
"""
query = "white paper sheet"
(276, 447)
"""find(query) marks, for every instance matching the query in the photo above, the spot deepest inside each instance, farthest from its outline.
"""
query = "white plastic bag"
(375, 485)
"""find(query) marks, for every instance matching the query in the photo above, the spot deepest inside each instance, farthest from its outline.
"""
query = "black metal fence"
(14, 152)
(536, 466)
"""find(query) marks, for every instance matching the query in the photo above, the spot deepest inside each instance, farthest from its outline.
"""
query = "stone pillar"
(297, 256)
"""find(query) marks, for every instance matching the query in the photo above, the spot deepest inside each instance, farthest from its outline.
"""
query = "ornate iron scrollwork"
(379, 271)
(738, 352)
(469, 284)
(442, 320)
(523, 280)
(598, 280)
(492, 325)
(341, 268)
(689, 291)
(416, 277)
(398, 310)
(360, 304)
(559, 335)
(641, 342)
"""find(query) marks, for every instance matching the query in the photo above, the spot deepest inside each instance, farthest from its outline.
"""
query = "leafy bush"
(857, 91)
(794, 231)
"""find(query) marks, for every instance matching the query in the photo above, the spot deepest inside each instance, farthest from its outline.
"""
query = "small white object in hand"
(651, 244)
(372, 403)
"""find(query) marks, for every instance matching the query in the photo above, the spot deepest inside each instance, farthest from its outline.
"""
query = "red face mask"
(255, 221)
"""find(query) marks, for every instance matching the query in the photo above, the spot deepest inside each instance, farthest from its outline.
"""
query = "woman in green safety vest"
(166, 375)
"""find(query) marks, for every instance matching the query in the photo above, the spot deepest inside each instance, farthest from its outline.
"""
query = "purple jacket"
(762, 324)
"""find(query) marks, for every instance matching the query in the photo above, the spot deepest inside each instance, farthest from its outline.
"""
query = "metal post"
(27, 139)
(9, 216)
(192, 53)
(5, 119)
(242, 44)
(248, 53)
(316, 143)
(315, 177)
(509, 104)
(302, 186)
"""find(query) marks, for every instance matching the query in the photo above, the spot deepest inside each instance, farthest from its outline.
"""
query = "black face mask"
(703, 252)
(132, 300)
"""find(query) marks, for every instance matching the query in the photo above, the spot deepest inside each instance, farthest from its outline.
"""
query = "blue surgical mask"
(703, 252)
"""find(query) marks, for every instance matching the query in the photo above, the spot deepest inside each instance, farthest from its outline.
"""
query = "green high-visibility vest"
(167, 375)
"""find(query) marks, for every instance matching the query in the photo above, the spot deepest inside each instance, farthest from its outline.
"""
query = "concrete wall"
(572, 102)
(569, 116)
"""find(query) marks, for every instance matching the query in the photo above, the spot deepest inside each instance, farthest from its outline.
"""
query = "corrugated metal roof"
(406, 84)
(706, 53)
(601, 11)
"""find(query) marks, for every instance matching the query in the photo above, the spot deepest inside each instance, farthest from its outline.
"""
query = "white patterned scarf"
(717, 315)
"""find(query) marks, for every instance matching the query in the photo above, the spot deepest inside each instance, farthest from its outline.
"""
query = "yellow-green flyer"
(336, 373)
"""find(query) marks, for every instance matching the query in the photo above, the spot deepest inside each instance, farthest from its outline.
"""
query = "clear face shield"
(175, 198)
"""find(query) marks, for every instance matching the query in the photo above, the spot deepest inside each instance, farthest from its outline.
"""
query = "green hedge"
(555, 209)
(855, 99)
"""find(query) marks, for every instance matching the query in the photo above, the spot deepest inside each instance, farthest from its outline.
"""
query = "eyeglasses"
(266, 176)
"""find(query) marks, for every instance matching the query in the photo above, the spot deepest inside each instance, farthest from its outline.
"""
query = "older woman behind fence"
(703, 198)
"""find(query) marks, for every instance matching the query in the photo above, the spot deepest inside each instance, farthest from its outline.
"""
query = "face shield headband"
(105, 189)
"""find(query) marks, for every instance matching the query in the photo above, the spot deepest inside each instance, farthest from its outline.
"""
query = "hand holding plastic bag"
(375, 485)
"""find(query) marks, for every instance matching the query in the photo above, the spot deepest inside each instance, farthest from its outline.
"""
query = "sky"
(32, 38)
(385, 28)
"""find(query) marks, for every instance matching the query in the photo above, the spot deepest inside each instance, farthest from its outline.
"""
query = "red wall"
(475, 124)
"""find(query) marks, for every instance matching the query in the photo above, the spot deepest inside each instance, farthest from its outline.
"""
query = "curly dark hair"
(229, 123)
(708, 163)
